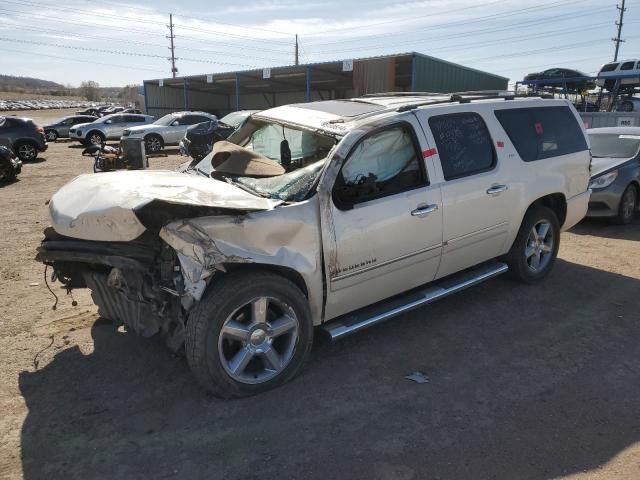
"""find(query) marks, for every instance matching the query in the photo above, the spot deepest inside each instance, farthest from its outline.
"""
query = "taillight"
(39, 130)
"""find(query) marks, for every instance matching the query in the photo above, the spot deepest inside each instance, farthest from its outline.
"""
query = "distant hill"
(10, 83)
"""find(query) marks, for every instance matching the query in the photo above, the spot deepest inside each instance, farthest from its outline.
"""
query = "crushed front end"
(137, 283)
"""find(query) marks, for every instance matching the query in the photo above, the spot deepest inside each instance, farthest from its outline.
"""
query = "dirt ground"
(525, 382)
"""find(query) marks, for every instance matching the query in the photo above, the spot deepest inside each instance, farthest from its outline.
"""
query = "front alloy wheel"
(153, 144)
(27, 152)
(251, 332)
(95, 139)
(627, 207)
(257, 340)
(51, 135)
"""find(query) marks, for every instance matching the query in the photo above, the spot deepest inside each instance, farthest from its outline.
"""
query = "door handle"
(497, 189)
(423, 210)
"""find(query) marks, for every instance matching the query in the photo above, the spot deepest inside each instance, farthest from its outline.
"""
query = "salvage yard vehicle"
(22, 136)
(60, 128)
(335, 214)
(109, 127)
(199, 139)
(167, 130)
(629, 68)
(10, 166)
(615, 174)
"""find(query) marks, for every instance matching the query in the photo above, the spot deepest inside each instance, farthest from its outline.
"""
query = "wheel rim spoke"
(259, 310)
(240, 361)
(282, 325)
(543, 230)
(236, 331)
(535, 261)
(271, 359)
(529, 251)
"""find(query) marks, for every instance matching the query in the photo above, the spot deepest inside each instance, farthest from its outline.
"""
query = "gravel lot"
(526, 382)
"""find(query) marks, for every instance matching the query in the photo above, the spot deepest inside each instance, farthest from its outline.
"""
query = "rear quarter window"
(542, 132)
(464, 144)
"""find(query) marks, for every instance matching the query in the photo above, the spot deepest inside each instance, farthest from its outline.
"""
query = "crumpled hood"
(602, 164)
(102, 206)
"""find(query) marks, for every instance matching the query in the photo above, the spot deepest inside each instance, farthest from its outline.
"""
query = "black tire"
(153, 143)
(51, 135)
(223, 298)
(7, 173)
(628, 205)
(26, 151)
(93, 136)
(520, 267)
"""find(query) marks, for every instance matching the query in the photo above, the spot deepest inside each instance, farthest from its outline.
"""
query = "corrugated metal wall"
(163, 100)
(610, 119)
(433, 75)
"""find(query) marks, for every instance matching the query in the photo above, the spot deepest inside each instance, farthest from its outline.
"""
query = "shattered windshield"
(270, 141)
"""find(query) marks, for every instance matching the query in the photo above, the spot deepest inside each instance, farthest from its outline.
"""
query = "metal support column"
(146, 101)
(413, 73)
(308, 78)
(186, 94)
(237, 92)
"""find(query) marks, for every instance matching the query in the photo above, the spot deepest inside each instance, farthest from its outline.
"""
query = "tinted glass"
(383, 164)
(464, 144)
(133, 119)
(543, 132)
(613, 145)
(627, 66)
(609, 67)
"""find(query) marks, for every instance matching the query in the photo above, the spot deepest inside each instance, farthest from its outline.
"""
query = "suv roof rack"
(468, 97)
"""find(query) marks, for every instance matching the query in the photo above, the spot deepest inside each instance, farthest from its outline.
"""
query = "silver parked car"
(167, 130)
(615, 173)
(60, 128)
(109, 127)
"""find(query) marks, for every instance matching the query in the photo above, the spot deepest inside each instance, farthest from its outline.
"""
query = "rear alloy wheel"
(153, 143)
(51, 135)
(535, 248)
(26, 151)
(628, 203)
(250, 333)
(95, 138)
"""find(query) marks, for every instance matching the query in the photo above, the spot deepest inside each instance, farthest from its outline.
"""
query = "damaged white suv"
(336, 214)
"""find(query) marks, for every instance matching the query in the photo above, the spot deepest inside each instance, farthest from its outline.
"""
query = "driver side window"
(384, 163)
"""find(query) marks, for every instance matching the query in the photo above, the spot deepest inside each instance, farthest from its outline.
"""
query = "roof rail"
(465, 97)
(404, 94)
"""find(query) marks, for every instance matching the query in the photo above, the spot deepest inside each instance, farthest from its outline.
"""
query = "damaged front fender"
(285, 237)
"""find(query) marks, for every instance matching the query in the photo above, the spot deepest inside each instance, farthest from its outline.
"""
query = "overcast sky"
(118, 42)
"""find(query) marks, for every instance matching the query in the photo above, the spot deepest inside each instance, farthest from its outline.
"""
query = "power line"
(489, 30)
(72, 59)
(482, 19)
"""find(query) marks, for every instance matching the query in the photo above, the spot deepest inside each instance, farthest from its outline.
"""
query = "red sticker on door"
(500, 144)
(539, 129)
(429, 153)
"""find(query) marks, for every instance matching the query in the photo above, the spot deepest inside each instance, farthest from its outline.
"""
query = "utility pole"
(618, 40)
(171, 36)
(297, 59)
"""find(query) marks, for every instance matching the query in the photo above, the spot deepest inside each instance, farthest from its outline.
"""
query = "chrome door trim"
(384, 264)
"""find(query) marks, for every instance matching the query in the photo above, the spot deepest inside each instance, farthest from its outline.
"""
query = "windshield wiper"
(246, 188)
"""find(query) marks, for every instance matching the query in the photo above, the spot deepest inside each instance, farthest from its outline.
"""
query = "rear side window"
(544, 132)
(133, 119)
(628, 66)
(464, 144)
(609, 67)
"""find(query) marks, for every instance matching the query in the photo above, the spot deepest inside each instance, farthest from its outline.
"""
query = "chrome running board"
(379, 312)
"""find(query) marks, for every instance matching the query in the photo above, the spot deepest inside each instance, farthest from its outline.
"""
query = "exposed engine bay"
(136, 238)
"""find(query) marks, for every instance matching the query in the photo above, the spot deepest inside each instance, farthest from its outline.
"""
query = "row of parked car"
(15, 105)
(332, 216)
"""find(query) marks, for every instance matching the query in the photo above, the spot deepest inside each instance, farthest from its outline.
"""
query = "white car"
(167, 130)
(630, 68)
(336, 214)
(109, 127)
